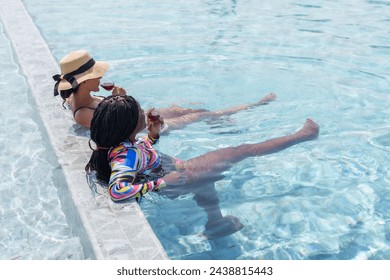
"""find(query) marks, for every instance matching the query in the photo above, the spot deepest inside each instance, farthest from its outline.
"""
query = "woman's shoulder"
(91, 106)
(125, 154)
(120, 148)
(123, 149)
(83, 115)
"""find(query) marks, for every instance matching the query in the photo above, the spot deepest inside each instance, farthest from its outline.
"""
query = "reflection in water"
(222, 8)
(225, 11)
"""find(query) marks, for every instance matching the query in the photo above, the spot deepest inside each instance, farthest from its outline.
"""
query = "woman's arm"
(122, 189)
(126, 163)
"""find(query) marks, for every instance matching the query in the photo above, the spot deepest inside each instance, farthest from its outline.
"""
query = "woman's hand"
(118, 91)
(154, 127)
(154, 123)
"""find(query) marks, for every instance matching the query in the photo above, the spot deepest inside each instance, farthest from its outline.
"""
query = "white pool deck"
(106, 230)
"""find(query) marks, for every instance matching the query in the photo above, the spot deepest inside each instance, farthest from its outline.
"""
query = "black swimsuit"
(75, 111)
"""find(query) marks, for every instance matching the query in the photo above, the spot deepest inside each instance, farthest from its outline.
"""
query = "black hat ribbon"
(70, 76)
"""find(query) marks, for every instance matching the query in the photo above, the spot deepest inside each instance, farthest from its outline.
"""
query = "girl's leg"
(213, 163)
(180, 117)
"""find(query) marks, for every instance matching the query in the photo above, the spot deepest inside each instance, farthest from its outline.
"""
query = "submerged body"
(132, 167)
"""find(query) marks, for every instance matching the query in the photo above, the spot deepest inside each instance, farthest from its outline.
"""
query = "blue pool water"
(326, 199)
(33, 225)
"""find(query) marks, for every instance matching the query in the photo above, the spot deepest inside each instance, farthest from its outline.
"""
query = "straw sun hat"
(77, 67)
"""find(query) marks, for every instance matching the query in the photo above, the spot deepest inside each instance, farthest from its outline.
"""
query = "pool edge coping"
(114, 231)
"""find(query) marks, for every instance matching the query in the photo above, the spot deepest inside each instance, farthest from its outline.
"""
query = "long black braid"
(114, 120)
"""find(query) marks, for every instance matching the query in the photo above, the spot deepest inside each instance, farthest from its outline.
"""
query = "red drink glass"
(153, 116)
(107, 85)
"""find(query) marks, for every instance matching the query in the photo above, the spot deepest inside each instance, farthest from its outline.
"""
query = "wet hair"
(114, 120)
(66, 93)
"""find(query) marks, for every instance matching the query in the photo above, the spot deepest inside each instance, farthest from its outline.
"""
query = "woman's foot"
(268, 98)
(309, 131)
(223, 227)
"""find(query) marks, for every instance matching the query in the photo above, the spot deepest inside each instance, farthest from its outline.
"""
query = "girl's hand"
(118, 91)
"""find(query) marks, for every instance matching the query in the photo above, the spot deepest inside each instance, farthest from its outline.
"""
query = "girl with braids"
(81, 74)
(131, 166)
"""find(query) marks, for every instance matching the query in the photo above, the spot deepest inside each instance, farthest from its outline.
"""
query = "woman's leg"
(217, 226)
(176, 112)
(202, 171)
(227, 112)
(179, 117)
(213, 163)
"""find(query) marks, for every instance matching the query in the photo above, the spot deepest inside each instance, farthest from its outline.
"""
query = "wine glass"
(153, 116)
(107, 85)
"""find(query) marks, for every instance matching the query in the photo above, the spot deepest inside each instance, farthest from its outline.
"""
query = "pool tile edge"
(97, 219)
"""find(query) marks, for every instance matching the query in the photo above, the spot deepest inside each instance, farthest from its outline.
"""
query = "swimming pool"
(326, 199)
(33, 223)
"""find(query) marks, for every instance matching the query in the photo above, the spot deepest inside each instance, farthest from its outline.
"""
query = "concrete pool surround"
(106, 230)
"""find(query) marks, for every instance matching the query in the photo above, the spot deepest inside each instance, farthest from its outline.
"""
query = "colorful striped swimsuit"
(135, 170)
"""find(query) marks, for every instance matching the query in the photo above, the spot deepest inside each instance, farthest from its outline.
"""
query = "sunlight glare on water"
(33, 225)
(325, 199)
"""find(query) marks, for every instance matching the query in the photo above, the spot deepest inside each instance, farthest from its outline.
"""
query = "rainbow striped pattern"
(129, 160)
